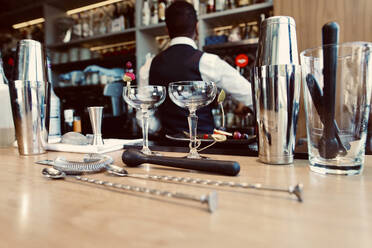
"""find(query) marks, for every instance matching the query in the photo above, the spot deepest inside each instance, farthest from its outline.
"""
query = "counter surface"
(38, 212)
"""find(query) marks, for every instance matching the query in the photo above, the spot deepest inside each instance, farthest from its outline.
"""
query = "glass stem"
(145, 127)
(193, 121)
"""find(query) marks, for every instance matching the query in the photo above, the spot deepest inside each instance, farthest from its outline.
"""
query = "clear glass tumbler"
(344, 122)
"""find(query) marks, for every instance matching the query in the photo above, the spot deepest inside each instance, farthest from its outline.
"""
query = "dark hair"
(181, 19)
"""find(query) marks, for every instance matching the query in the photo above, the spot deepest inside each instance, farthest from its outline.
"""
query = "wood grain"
(354, 17)
(37, 212)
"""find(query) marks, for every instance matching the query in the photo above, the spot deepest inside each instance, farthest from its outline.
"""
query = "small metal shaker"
(277, 90)
(95, 115)
(29, 92)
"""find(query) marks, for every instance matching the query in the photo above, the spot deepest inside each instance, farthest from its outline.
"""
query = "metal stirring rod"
(211, 199)
(295, 190)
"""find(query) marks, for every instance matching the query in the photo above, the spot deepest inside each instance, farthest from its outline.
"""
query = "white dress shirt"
(214, 69)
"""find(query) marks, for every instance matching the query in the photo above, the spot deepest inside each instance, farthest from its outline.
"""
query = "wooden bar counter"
(39, 212)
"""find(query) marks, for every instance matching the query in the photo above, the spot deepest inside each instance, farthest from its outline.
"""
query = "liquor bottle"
(229, 4)
(219, 5)
(154, 12)
(242, 3)
(130, 15)
(196, 6)
(77, 124)
(69, 120)
(102, 29)
(7, 132)
(210, 6)
(161, 10)
(55, 109)
(117, 23)
(145, 13)
(77, 30)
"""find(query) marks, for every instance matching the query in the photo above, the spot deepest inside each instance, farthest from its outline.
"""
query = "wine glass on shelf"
(144, 98)
(192, 95)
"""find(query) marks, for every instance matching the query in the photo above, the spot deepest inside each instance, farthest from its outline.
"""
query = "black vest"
(177, 63)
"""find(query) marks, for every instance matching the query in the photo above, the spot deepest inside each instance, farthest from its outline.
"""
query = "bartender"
(182, 61)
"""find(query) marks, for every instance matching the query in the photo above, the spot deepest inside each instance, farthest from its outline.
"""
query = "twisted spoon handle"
(210, 199)
(296, 190)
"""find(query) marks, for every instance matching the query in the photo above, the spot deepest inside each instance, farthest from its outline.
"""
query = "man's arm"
(144, 73)
(214, 69)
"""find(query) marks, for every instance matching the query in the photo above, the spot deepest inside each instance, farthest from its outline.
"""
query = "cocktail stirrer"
(210, 199)
(295, 190)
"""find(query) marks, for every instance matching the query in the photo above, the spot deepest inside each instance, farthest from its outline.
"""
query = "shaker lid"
(279, 19)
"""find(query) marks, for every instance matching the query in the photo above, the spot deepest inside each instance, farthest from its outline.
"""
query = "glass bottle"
(161, 10)
(55, 109)
(196, 4)
(219, 5)
(145, 13)
(210, 6)
(242, 3)
(69, 120)
(154, 12)
(130, 15)
(102, 24)
(76, 31)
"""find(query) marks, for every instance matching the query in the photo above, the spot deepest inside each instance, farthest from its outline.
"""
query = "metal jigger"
(95, 115)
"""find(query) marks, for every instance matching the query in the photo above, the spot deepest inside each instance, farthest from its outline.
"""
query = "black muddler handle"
(317, 98)
(134, 158)
(328, 145)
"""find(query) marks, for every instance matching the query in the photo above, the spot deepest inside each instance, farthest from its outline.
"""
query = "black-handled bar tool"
(328, 145)
(317, 98)
(134, 158)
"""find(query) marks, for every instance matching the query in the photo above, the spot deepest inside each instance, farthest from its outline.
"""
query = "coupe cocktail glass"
(192, 95)
(144, 98)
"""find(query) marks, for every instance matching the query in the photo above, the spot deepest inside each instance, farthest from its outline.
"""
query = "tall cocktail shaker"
(29, 92)
(277, 44)
(276, 88)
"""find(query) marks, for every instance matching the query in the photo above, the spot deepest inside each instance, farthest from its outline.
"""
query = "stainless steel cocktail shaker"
(29, 92)
(277, 90)
(277, 43)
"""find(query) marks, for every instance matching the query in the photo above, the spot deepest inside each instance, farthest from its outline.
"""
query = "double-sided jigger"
(95, 115)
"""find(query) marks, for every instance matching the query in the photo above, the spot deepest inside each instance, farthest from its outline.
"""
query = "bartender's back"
(182, 61)
(179, 62)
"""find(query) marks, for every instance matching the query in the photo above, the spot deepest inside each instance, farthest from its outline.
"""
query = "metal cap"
(29, 62)
(277, 44)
